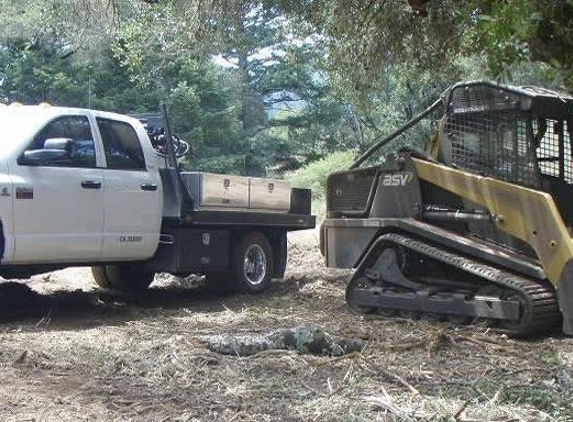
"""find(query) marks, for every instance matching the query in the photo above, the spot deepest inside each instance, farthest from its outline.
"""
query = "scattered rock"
(21, 358)
(564, 378)
(187, 281)
(305, 340)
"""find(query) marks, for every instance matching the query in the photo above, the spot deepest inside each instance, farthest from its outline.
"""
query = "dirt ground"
(71, 352)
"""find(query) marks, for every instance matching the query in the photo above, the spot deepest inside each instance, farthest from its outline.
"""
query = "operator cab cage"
(522, 135)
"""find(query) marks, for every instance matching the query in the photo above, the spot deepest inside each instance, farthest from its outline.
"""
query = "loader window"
(76, 128)
(552, 140)
(553, 147)
(121, 144)
(494, 144)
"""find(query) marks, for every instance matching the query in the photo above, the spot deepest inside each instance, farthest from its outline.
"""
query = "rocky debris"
(564, 378)
(21, 358)
(187, 281)
(305, 340)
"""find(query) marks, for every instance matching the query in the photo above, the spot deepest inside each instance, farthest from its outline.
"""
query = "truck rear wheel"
(252, 263)
(122, 277)
(251, 267)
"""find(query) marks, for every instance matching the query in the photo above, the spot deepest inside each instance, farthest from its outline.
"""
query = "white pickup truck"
(81, 187)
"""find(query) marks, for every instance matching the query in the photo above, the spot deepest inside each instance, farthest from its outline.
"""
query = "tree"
(433, 34)
(525, 31)
(33, 72)
(204, 110)
(362, 36)
(279, 74)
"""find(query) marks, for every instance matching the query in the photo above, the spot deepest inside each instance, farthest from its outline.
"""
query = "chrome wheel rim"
(255, 265)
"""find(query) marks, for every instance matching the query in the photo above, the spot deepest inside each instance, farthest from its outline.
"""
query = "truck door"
(133, 201)
(58, 206)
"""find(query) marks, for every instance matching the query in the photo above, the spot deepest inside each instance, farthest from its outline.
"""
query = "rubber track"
(539, 295)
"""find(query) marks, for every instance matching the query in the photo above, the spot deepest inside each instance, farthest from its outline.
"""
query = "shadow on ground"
(77, 308)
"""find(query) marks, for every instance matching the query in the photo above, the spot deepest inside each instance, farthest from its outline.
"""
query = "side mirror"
(65, 144)
(55, 150)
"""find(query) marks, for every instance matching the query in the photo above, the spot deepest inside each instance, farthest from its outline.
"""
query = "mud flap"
(565, 297)
(280, 251)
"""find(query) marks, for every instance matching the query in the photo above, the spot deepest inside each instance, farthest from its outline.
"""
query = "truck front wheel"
(127, 278)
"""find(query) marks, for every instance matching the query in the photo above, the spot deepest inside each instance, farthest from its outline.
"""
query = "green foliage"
(502, 33)
(525, 30)
(362, 38)
(228, 115)
(313, 176)
(223, 164)
(552, 358)
(541, 396)
(204, 111)
(365, 37)
(36, 72)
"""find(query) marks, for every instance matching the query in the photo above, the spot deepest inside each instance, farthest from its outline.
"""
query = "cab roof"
(45, 111)
(487, 96)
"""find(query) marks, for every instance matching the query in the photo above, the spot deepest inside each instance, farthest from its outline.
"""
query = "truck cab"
(76, 186)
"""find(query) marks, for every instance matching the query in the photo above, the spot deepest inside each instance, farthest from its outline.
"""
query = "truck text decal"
(398, 179)
(24, 193)
(130, 239)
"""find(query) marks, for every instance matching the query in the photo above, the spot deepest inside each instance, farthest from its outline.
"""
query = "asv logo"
(399, 179)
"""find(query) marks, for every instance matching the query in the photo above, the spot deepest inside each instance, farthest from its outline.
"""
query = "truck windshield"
(17, 126)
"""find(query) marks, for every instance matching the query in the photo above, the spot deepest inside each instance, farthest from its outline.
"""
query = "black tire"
(126, 278)
(252, 263)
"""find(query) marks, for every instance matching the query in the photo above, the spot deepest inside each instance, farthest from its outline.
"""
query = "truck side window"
(121, 144)
(73, 127)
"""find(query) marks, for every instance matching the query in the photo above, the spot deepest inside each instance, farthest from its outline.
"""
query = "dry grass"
(81, 355)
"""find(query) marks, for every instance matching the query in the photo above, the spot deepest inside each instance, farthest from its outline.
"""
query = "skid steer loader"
(473, 225)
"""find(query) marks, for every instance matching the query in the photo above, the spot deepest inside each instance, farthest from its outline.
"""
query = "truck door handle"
(149, 186)
(91, 184)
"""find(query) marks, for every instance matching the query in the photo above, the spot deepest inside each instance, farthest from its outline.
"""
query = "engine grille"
(349, 191)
